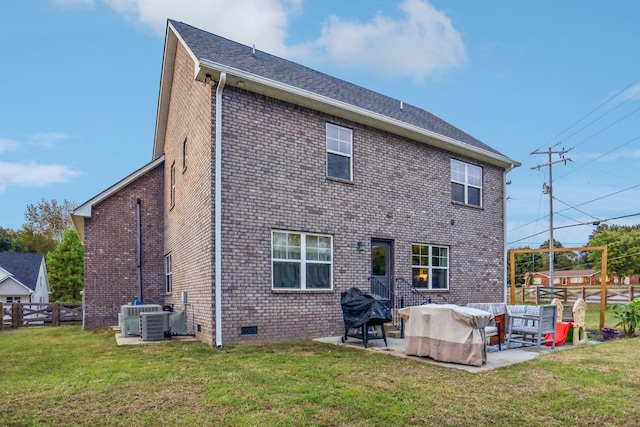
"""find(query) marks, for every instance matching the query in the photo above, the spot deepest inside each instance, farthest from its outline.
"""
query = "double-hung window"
(168, 274)
(339, 152)
(301, 260)
(430, 266)
(466, 183)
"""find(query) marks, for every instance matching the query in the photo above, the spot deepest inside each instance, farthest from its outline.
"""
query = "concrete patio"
(496, 359)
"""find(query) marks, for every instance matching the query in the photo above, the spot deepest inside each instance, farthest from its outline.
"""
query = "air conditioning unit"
(178, 322)
(130, 317)
(154, 326)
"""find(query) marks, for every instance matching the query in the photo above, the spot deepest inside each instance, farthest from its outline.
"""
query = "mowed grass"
(67, 376)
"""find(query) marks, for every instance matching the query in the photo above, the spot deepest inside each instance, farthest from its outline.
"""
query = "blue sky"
(79, 83)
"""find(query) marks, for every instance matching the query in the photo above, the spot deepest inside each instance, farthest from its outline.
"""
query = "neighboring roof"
(266, 74)
(84, 210)
(25, 267)
(569, 273)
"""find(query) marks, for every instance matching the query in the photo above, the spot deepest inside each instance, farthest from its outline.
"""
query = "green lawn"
(66, 376)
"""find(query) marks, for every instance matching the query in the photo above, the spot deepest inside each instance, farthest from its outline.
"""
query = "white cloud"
(33, 174)
(47, 139)
(421, 43)
(632, 93)
(8, 145)
(260, 22)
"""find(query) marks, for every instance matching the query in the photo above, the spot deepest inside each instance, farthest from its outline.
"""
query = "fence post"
(1, 314)
(55, 321)
(16, 314)
(631, 293)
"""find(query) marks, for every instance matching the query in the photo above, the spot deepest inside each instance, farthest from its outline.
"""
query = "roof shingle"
(217, 49)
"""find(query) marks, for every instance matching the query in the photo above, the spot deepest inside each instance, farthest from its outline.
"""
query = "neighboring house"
(567, 278)
(23, 278)
(273, 188)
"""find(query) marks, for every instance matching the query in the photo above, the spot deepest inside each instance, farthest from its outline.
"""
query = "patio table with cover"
(446, 332)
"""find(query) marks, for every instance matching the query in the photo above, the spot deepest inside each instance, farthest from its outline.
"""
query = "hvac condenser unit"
(154, 326)
(130, 317)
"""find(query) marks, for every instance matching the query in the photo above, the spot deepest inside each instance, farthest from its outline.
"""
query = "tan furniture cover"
(446, 332)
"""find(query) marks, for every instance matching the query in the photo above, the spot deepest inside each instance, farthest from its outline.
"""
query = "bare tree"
(49, 218)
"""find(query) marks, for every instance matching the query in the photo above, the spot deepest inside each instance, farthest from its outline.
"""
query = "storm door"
(382, 267)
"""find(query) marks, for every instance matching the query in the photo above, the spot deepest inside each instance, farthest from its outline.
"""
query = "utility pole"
(548, 189)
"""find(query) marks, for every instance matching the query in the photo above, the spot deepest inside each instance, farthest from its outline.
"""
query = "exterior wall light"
(362, 246)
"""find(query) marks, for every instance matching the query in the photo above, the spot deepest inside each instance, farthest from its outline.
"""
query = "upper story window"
(184, 155)
(301, 260)
(168, 274)
(466, 183)
(339, 152)
(173, 186)
(430, 267)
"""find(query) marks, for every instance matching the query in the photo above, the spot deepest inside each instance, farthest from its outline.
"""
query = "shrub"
(628, 315)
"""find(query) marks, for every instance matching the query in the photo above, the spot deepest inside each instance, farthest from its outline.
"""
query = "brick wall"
(110, 247)
(189, 224)
(274, 178)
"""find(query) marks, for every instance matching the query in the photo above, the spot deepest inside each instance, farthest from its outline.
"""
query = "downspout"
(218, 209)
(139, 248)
(504, 231)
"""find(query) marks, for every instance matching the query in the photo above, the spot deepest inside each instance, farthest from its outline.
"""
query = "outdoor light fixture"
(362, 246)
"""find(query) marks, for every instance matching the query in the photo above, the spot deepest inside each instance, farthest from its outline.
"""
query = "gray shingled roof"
(25, 267)
(217, 49)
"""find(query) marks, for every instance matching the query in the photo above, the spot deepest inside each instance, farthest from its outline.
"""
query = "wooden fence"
(567, 294)
(16, 315)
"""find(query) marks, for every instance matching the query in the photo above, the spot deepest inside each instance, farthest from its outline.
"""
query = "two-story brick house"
(274, 187)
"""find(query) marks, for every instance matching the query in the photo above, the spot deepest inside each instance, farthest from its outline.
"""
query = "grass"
(67, 376)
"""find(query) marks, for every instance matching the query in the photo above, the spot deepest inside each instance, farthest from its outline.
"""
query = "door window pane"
(378, 261)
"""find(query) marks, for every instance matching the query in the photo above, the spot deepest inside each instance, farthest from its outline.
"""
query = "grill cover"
(363, 307)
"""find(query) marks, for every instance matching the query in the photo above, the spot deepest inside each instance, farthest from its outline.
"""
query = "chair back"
(548, 318)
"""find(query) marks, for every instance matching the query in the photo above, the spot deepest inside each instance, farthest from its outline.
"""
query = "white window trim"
(339, 153)
(430, 267)
(466, 183)
(303, 262)
(172, 178)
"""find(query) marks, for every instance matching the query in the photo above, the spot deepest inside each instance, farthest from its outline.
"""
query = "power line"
(575, 225)
(588, 114)
(601, 156)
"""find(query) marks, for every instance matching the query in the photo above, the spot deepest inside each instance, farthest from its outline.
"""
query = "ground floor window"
(301, 260)
(430, 266)
(12, 299)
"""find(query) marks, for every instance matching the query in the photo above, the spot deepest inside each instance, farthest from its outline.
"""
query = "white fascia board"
(166, 80)
(84, 210)
(322, 103)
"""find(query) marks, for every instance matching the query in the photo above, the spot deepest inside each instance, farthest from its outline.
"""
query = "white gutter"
(218, 209)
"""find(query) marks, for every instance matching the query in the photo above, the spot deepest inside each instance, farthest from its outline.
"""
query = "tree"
(525, 264)
(562, 261)
(65, 267)
(6, 240)
(49, 218)
(623, 249)
(28, 241)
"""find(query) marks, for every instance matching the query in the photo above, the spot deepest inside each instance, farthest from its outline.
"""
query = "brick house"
(274, 187)
(565, 278)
